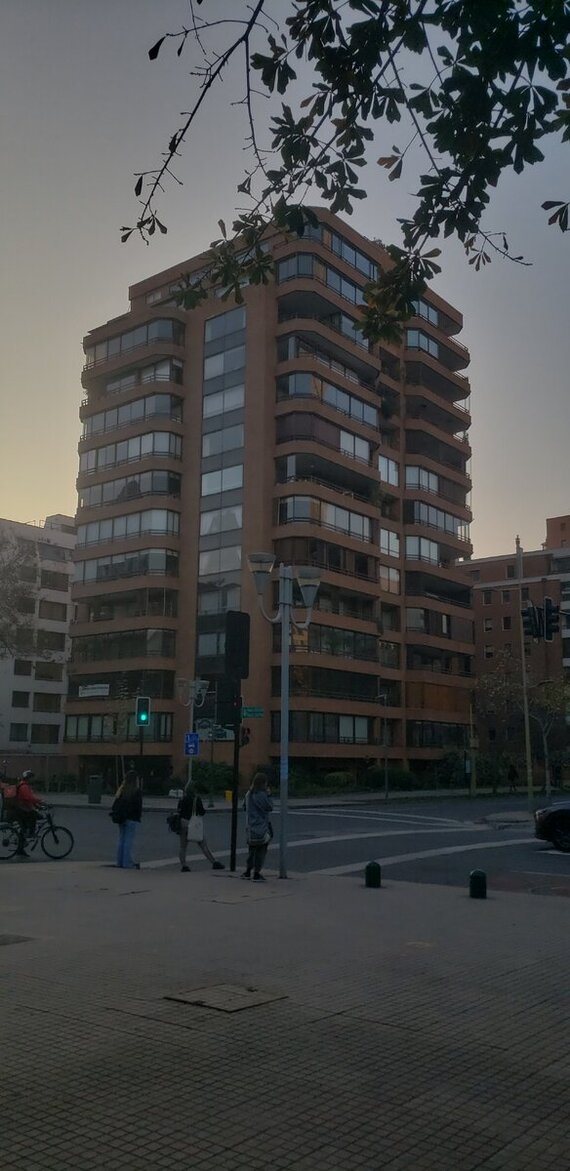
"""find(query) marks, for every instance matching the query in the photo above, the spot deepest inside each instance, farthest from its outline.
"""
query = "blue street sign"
(191, 744)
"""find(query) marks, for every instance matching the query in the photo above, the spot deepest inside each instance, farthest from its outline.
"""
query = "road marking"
(544, 873)
(379, 815)
(157, 863)
(394, 860)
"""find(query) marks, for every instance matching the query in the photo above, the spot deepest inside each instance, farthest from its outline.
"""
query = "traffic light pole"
(527, 744)
(235, 777)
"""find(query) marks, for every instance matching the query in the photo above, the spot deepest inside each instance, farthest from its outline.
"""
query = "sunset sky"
(82, 108)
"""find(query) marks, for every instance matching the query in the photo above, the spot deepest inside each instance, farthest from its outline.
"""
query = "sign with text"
(191, 744)
(252, 713)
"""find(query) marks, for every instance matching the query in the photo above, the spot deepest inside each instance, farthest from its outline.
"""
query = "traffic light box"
(142, 711)
(245, 736)
(531, 621)
(551, 619)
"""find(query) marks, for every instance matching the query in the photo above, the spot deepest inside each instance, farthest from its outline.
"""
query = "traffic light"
(551, 619)
(245, 735)
(530, 621)
(142, 713)
(237, 644)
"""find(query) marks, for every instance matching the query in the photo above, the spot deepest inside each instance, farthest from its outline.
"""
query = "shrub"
(398, 779)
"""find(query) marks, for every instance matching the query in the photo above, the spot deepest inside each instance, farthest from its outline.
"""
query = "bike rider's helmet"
(28, 775)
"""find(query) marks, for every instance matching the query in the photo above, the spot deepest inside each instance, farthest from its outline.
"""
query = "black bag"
(173, 822)
(117, 813)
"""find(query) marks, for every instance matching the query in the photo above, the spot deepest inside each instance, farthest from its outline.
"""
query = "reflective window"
(429, 312)
(142, 408)
(420, 549)
(225, 323)
(221, 520)
(154, 520)
(225, 400)
(421, 478)
(354, 446)
(162, 330)
(216, 442)
(153, 443)
(389, 579)
(219, 560)
(416, 340)
(120, 565)
(223, 480)
(389, 542)
(218, 364)
(389, 470)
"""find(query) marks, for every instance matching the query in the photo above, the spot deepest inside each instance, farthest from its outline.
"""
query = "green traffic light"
(143, 717)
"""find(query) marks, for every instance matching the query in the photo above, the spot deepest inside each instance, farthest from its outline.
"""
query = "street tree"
(468, 89)
(499, 701)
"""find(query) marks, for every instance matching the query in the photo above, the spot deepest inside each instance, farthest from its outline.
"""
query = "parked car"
(553, 825)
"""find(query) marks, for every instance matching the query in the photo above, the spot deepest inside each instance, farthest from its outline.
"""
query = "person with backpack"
(22, 805)
(191, 828)
(126, 812)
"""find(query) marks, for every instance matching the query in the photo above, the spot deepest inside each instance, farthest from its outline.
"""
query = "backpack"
(117, 813)
(10, 800)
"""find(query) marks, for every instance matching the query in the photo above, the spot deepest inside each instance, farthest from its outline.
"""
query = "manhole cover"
(6, 940)
(226, 997)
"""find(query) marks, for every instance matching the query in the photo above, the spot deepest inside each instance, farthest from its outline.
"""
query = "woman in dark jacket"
(190, 805)
(258, 806)
(126, 813)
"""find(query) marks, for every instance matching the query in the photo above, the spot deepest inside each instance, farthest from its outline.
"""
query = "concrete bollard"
(372, 874)
(477, 884)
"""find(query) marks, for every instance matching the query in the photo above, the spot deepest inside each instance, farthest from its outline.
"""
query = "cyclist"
(25, 806)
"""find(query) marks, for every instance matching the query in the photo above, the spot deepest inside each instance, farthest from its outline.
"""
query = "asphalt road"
(438, 841)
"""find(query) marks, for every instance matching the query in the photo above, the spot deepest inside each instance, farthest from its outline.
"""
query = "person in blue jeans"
(126, 813)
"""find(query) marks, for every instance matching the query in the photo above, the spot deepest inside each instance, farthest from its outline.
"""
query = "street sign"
(191, 744)
(252, 713)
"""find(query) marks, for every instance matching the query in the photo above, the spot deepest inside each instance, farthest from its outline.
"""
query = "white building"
(33, 686)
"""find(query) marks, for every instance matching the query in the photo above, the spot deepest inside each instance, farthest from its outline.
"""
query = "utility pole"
(527, 744)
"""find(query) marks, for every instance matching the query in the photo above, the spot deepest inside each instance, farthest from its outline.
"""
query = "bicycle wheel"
(57, 842)
(8, 840)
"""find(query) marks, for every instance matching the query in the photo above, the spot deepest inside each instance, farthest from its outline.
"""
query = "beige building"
(33, 683)
(275, 426)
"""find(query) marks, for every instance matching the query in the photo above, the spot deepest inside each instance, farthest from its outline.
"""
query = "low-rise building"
(33, 679)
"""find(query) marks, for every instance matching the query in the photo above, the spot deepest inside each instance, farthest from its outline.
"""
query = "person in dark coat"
(258, 806)
(126, 812)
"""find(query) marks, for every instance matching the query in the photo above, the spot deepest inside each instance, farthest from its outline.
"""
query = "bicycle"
(55, 840)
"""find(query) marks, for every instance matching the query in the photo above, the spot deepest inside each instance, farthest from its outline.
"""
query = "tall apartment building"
(497, 600)
(275, 426)
(34, 684)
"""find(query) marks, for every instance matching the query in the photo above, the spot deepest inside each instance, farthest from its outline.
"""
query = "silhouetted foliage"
(473, 86)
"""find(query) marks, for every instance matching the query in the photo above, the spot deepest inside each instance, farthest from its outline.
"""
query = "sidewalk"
(402, 1029)
(79, 800)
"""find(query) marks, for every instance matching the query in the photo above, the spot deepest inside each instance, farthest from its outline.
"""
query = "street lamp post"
(191, 693)
(382, 697)
(308, 580)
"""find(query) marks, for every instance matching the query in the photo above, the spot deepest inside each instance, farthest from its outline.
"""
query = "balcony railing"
(321, 524)
(298, 315)
(295, 438)
(306, 350)
(327, 484)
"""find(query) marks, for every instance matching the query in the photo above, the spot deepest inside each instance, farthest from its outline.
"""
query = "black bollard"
(372, 874)
(477, 884)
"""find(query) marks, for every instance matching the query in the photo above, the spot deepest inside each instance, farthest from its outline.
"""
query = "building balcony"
(425, 370)
(426, 407)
